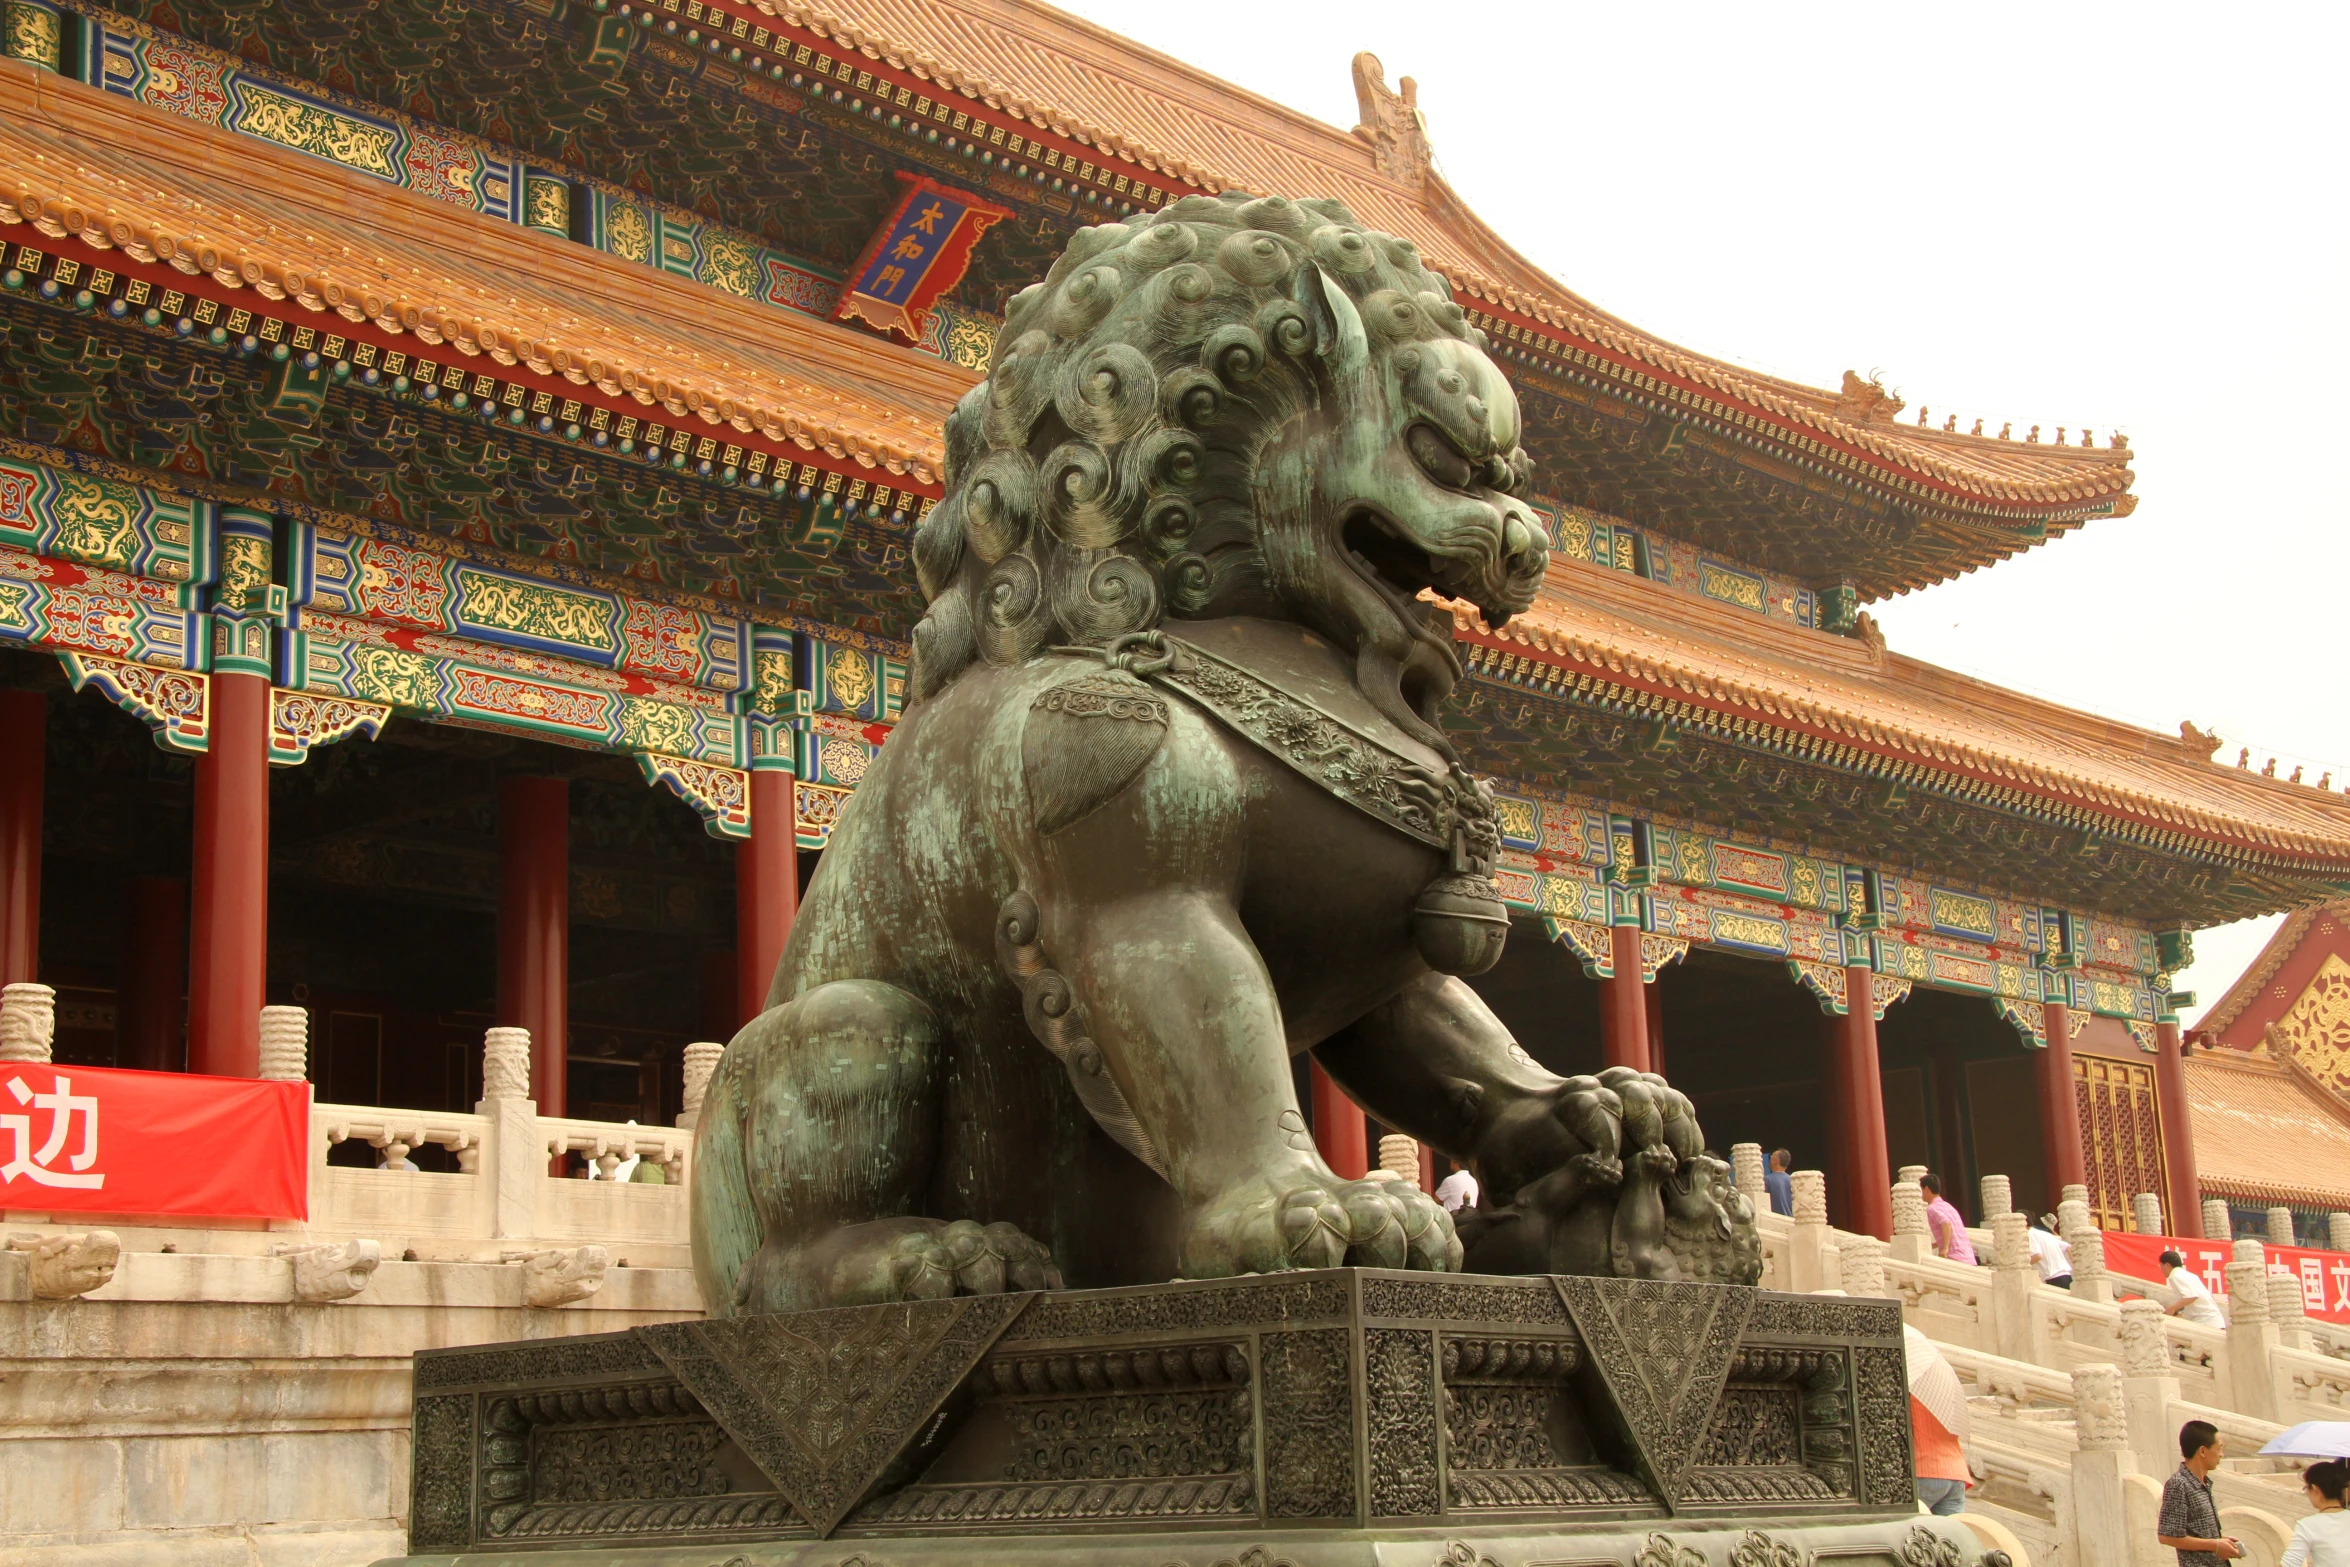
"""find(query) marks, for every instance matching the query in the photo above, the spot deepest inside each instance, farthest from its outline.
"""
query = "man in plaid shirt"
(2189, 1521)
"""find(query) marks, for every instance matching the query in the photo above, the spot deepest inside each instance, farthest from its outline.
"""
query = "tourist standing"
(1780, 1184)
(2189, 1520)
(1457, 1191)
(1943, 1220)
(2323, 1538)
(2191, 1300)
(2051, 1257)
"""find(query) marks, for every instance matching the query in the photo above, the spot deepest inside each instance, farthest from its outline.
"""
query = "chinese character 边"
(926, 221)
(63, 1107)
(906, 250)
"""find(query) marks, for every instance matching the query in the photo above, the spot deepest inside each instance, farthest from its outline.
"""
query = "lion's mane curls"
(1099, 479)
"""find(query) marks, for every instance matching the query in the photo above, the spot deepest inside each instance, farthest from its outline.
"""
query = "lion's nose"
(1523, 551)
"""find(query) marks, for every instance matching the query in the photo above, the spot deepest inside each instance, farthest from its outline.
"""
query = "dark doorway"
(1542, 997)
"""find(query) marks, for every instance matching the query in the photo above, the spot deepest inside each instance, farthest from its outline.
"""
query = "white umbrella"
(2313, 1439)
(1935, 1385)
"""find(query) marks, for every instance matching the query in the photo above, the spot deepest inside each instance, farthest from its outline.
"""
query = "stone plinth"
(1137, 1425)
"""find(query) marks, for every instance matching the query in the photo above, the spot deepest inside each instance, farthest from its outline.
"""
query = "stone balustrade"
(500, 1201)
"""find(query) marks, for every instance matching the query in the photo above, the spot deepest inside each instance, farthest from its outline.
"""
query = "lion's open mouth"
(1382, 553)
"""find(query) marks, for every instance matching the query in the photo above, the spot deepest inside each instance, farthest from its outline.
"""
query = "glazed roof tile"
(1060, 71)
(118, 174)
(1854, 693)
(2265, 1131)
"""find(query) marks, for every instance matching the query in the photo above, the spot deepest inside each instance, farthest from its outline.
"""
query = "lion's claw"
(1373, 1224)
(1598, 1168)
(965, 1258)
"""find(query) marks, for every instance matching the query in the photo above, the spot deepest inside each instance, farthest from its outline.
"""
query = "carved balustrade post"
(285, 1043)
(515, 1159)
(1807, 1264)
(2091, 1281)
(28, 1022)
(1399, 1156)
(2087, 1243)
(2288, 1309)
(2280, 1227)
(2217, 1224)
(2338, 1231)
(1912, 1241)
(701, 1064)
(2150, 1385)
(1864, 1265)
(1909, 1172)
(1746, 1170)
(2146, 1213)
(2015, 1315)
(2100, 1521)
(2251, 1380)
(1998, 1197)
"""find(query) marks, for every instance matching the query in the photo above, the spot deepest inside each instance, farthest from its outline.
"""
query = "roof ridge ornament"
(1392, 123)
(1867, 402)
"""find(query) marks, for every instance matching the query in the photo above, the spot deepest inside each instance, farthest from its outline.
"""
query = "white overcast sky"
(2124, 217)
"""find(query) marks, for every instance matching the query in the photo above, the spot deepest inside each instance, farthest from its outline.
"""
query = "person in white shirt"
(2052, 1257)
(2194, 1303)
(2323, 1538)
(1457, 1191)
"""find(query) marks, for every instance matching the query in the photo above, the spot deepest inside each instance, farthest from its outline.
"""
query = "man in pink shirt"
(1948, 1229)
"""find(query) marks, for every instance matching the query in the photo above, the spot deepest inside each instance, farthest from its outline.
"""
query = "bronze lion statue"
(1170, 804)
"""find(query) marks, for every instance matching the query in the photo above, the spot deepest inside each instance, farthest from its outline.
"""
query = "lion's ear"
(1338, 326)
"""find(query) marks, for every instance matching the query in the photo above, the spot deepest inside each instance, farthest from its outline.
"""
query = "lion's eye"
(1438, 460)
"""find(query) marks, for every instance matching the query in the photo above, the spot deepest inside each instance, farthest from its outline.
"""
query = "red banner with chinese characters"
(2324, 1276)
(920, 253)
(85, 1139)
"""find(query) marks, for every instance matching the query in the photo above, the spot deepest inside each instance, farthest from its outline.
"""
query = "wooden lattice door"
(2121, 1135)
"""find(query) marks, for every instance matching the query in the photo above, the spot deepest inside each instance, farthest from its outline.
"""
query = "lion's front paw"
(896, 1259)
(1271, 1226)
(966, 1258)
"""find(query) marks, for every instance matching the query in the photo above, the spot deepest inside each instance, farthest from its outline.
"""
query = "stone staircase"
(2077, 1395)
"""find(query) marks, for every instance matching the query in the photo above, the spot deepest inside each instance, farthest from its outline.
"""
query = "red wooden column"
(1653, 997)
(2060, 1112)
(24, 744)
(534, 928)
(1623, 1004)
(151, 1003)
(1868, 1193)
(766, 887)
(2182, 1197)
(1341, 1131)
(228, 917)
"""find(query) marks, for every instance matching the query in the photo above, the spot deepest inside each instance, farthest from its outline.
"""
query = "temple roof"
(2266, 1132)
(1722, 672)
(2242, 1015)
(1059, 71)
(109, 171)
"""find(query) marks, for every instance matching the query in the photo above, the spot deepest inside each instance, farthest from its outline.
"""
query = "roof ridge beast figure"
(1170, 804)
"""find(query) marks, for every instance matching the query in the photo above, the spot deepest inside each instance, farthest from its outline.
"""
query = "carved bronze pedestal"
(1307, 1417)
